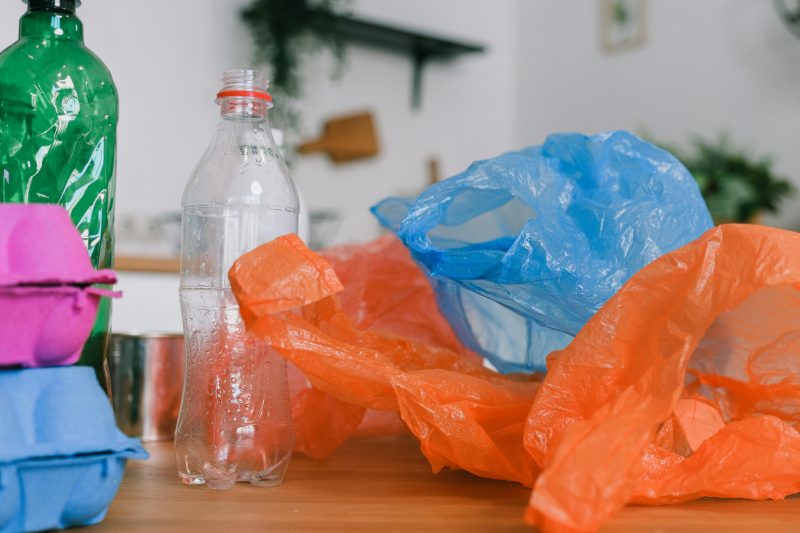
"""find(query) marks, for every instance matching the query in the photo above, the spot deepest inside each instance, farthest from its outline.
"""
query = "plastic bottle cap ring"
(252, 94)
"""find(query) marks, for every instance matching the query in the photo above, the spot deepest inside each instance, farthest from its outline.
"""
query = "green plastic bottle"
(58, 123)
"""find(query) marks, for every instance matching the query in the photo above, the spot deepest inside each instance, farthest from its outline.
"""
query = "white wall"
(167, 57)
(466, 113)
(707, 66)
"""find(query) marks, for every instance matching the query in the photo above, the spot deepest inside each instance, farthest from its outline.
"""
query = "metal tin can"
(146, 380)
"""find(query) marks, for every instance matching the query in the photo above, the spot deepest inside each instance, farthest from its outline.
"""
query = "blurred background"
(716, 81)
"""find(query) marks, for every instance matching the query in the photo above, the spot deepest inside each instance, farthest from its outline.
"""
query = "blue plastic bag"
(524, 248)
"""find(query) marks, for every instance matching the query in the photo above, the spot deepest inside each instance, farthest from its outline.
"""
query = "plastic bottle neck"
(51, 20)
(243, 109)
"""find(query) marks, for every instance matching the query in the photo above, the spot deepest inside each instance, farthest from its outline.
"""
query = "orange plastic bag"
(384, 291)
(716, 323)
(685, 384)
(440, 389)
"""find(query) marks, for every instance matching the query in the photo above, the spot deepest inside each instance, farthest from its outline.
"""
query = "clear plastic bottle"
(235, 422)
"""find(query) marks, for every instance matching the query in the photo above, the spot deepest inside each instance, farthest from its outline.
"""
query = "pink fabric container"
(47, 303)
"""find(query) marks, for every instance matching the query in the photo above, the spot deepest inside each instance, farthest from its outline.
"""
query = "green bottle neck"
(50, 24)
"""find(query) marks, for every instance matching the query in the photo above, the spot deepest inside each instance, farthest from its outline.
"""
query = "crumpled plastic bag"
(383, 291)
(703, 345)
(524, 248)
(429, 382)
(685, 384)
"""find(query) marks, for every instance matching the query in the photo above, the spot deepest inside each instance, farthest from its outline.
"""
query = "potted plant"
(737, 186)
(284, 31)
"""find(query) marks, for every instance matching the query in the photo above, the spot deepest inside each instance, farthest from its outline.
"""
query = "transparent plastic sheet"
(524, 248)
(689, 374)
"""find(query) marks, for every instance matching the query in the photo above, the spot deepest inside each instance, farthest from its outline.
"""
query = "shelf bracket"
(419, 58)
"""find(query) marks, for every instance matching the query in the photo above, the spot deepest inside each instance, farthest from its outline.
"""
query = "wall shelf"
(421, 47)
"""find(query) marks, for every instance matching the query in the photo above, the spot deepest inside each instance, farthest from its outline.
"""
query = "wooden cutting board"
(346, 138)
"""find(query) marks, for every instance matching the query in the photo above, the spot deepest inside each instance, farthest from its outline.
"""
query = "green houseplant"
(737, 186)
(284, 31)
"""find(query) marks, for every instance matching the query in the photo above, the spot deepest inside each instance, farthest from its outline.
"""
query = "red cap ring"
(252, 94)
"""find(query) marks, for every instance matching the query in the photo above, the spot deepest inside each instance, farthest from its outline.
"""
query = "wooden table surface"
(134, 263)
(385, 484)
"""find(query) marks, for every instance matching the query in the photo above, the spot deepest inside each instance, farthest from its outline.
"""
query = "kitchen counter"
(384, 483)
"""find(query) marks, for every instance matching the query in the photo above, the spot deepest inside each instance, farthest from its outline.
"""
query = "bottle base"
(260, 480)
(192, 479)
(268, 478)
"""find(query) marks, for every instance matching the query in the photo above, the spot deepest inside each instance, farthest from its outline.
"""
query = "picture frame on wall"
(623, 24)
